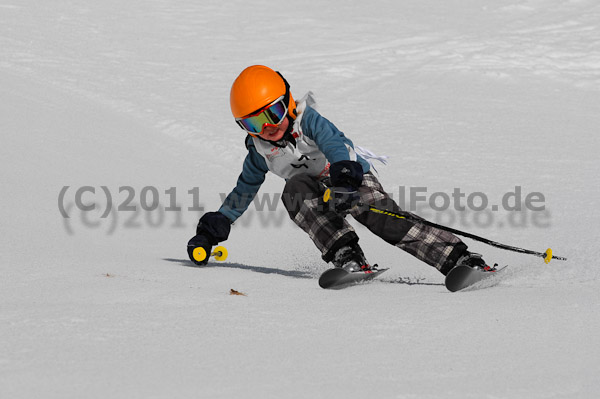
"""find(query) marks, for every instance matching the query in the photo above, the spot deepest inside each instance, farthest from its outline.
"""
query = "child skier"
(296, 143)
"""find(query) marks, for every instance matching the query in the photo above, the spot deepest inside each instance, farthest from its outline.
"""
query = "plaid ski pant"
(330, 231)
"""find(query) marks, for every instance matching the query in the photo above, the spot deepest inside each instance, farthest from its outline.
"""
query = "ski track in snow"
(480, 95)
(498, 41)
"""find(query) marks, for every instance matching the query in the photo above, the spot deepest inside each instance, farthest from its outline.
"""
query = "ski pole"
(409, 216)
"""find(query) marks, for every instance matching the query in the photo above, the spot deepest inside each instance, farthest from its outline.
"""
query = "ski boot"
(352, 259)
(474, 261)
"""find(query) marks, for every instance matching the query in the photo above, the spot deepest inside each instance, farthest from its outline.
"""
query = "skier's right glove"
(213, 228)
(199, 241)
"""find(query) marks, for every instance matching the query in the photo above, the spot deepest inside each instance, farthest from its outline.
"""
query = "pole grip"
(327, 195)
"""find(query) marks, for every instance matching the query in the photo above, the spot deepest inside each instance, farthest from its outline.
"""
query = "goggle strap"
(286, 96)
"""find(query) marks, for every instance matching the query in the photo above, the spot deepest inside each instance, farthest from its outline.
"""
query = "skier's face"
(275, 133)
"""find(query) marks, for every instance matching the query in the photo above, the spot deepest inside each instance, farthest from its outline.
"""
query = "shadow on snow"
(290, 273)
(257, 269)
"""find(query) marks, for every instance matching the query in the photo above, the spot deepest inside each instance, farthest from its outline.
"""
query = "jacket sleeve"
(248, 183)
(330, 140)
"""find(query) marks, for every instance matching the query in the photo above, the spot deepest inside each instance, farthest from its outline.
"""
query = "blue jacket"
(329, 141)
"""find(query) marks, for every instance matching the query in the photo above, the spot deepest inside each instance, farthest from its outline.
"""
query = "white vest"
(292, 160)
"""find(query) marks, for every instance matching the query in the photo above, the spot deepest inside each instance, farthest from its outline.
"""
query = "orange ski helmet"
(255, 88)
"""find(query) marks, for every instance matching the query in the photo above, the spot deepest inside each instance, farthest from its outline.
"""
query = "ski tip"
(548, 256)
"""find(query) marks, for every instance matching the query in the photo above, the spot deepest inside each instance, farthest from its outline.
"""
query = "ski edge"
(346, 278)
(477, 284)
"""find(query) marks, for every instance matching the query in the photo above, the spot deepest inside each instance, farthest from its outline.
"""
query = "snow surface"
(477, 95)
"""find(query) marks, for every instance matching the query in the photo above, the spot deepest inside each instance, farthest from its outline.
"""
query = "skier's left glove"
(213, 228)
(346, 177)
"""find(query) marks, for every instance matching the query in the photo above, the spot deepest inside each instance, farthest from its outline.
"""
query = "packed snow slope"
(126, 104)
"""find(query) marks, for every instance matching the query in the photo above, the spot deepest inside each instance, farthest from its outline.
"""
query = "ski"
(337, 277)
(462, 277)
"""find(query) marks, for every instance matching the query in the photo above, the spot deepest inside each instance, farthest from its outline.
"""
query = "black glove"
(199, 240)
(213, 228)
(346, 177)
(347, 174)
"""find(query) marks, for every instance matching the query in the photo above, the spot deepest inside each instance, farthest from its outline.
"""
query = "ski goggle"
(271, 115)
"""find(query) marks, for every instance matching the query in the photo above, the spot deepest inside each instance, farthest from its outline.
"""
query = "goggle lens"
(271, 115)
